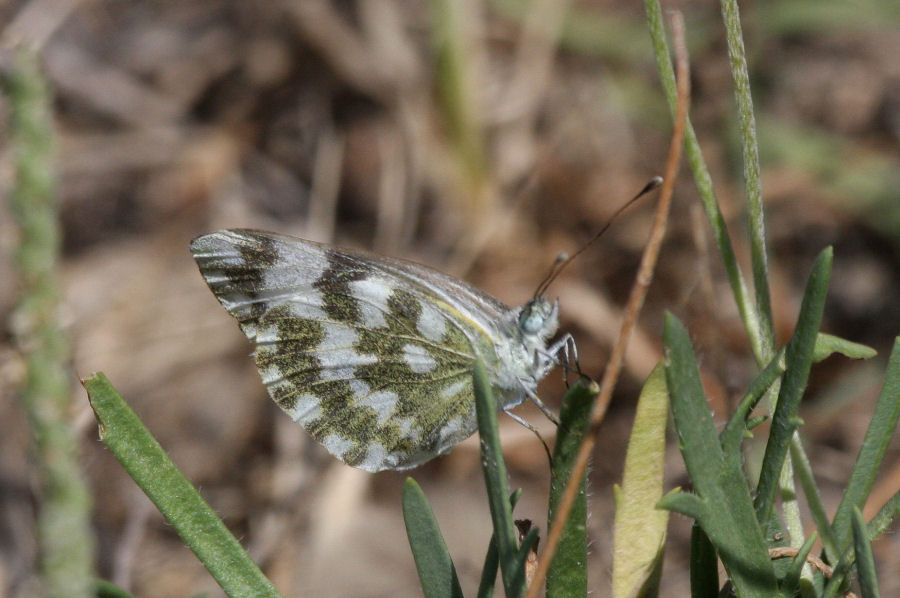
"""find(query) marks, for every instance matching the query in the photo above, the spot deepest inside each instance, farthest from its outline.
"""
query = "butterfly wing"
(372, 356)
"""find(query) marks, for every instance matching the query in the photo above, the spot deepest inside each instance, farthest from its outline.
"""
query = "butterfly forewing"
(371, 355)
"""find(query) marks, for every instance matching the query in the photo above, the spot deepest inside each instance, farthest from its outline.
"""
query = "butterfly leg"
(571, 350)
(529, 392)
(571, 353)
(545, 410)
(522, 421)
(565, 352)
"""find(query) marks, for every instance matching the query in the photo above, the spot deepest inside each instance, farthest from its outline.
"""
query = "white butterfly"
(373, 355)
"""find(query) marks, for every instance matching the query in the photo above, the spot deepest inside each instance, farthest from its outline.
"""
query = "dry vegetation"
(335, 121)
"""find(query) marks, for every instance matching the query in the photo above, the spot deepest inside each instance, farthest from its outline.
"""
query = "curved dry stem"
(635, 302)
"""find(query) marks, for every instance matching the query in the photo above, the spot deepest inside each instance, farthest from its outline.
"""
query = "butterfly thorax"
(527, 361)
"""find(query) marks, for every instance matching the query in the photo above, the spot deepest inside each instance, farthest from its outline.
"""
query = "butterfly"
(373, 355)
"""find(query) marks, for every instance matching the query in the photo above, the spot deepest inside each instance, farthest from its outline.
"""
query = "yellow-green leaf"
(640, 529)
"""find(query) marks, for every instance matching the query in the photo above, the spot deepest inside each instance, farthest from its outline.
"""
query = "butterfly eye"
(532, 319)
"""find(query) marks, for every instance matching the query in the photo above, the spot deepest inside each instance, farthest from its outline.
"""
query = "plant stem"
(756, 217)
(703, 180)
(65, 540)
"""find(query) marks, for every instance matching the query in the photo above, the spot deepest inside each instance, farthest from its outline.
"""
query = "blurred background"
(481, 138)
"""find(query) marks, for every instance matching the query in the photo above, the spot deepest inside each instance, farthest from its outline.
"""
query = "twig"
(783, 552)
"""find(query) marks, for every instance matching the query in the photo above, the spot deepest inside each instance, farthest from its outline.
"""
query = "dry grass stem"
(635, 302)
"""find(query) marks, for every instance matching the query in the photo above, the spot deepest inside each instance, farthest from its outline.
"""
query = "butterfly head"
(539, 318)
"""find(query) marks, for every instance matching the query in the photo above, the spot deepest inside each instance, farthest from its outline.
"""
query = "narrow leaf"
(836, 585)
(828, 344)
(492, 558)
(792, 577)
(433, 562)
(878, 436)
(885, 516)
(640, 527)
(495, 481)
(489, 570)
(724, 508)
(704, 565)
(686, 503)
(877, 526)
(698, 439)
(733, 434)
(803, 469)
(865, 562)
(798, 355)
(179, 502)
(567, 576)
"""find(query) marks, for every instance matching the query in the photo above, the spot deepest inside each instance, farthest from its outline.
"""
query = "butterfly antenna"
(563, 260)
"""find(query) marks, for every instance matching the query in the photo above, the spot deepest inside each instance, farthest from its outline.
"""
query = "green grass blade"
(433, 562)
(798, 356)
(865, 561)
(703, 180)
(704, 565)
(495, 480)
(885, 517)
(723, 506)
(836, 586)
(567, 575)
(792, 578)
(492, 558)
(755, 215)
(489, 570)
(640, 527)
(878, 436)
(179, 502)
(877, 526)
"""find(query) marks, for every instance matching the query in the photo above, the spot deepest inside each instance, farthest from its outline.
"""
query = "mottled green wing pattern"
(372, 359)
